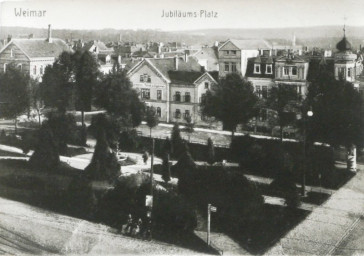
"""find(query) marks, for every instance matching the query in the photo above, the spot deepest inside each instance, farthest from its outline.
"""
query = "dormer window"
(206, 85)
(268, 69)
(256, 68)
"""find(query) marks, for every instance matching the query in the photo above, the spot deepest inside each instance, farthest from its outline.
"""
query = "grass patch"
(6, 153)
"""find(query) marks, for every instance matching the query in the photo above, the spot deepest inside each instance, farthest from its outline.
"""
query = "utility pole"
(151, 169)
(208, 223)
(210, 209)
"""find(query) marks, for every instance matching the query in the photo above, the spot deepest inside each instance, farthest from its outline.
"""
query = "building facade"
(32, 55)
(173, 86)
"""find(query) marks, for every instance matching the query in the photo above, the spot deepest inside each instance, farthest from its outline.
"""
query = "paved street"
(335, 227)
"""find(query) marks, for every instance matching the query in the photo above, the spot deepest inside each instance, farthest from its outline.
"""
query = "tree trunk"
(150, 130)
(232, 135)
(15, 126)
(256, 124)
(39, 121)
(351, 158)
(83, 118)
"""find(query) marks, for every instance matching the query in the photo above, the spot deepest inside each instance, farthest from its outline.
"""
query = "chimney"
(49, 39)
(9, 38)
(176, 62)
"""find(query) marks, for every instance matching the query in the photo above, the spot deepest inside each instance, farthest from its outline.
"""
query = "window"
(256, 68)
(268, 69)
(20, 67)
(227, 52)
(233, 67)
(187, 97)
(206, 85)
(159, 112)
(177, 97)
(226, 66)
(146, 94)
(5, 64)
(349, 72)
(145, 78)
(41, 70)
(11, 53)
(286, 71)
(187, 113)
(34, 70)
(233, 52)
(178, 113)
(159, 94)
(294, 71)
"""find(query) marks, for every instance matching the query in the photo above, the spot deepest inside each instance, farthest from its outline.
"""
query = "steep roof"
(184, 77)
(39, 47)
(263, 61)
(99, 44)
(249, 44)
(168, 64)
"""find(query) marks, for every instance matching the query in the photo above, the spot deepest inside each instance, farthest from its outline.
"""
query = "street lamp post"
(305, 115)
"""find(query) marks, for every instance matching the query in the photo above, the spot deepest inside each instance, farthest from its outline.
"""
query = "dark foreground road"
(29, 230)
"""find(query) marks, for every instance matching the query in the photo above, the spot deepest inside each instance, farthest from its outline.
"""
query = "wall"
(229, 58)
(19, 58)
(157, 83)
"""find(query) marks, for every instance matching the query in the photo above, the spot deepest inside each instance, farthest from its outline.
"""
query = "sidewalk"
(328, 228)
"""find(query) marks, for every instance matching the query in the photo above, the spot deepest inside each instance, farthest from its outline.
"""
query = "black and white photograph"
(181, 127)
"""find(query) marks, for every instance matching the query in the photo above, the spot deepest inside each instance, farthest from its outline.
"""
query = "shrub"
(284, 186)
(129, 141)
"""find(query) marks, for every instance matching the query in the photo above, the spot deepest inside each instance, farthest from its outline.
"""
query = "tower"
(345, 60)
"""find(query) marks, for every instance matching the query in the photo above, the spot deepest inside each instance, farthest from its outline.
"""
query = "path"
(334, 227)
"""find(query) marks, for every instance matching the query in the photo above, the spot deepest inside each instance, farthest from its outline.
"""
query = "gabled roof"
(99, 44)
(184, 77)
(248, 44)
(168, 64)
(165, 65)
(40, 47)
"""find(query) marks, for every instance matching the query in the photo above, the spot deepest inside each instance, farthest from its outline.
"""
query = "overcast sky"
(146, 14)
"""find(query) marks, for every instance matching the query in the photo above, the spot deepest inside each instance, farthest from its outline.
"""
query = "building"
(32, 55)
(208, 58)
(234, 54)
(292, 69)
(173, 86)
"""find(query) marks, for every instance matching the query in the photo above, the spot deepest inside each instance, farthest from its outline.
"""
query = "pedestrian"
(145, 157)
(129, 224)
